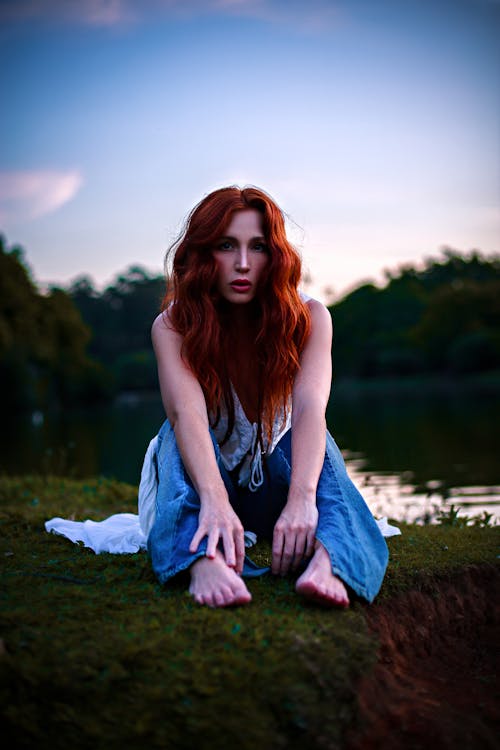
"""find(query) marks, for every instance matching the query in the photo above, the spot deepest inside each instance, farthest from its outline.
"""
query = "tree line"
(80, 345)
(441, 319)
(44, 357)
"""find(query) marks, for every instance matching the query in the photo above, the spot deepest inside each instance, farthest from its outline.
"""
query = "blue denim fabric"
(346, 527)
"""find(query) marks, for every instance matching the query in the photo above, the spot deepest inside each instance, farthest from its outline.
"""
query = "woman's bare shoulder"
(320, 315)
(166, 340)
(162, 324)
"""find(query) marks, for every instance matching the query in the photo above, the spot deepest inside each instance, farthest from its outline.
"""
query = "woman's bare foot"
(215, 584)
(318, 583)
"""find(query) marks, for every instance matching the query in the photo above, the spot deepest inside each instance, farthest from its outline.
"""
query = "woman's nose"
(242, 263)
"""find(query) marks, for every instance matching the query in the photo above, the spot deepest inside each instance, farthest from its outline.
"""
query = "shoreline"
(437, 668)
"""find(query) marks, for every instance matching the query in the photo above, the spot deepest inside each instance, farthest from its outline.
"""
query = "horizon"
(386, 275)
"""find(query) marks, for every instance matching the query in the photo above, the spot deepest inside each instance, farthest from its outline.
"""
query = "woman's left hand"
(293, 537)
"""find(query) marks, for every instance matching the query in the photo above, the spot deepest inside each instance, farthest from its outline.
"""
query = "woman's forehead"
(247, 221)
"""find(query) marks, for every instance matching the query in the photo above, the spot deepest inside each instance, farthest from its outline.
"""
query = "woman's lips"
(240, 285)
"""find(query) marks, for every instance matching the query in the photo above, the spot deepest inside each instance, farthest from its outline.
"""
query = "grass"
(95, 653)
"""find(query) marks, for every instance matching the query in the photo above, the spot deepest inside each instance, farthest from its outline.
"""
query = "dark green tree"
(43, 340)
(444, 318)
(121, 318)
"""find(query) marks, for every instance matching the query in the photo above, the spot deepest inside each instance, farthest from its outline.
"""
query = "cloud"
(106, 12)
(313, 15)
(87, 13)
(28, 195)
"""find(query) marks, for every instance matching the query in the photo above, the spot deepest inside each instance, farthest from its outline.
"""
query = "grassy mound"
(95, 653)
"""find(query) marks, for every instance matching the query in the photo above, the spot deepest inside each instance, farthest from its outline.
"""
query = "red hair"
(199, 314)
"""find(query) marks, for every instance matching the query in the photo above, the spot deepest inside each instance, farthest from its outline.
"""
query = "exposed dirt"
(436, 682)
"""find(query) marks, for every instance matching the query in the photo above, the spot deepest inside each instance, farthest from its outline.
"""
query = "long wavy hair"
(202, 317)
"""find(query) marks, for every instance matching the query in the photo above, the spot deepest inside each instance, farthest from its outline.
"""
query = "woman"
(245, 371)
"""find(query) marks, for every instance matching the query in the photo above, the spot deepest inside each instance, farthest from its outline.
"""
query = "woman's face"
(241, 255)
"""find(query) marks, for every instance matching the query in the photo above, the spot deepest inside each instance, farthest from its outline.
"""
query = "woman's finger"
(239, 543)
(213, 540)
(195, 541)
(229, 551)
(300, 548)
(288, 554)
(310, 545)
(278, 538)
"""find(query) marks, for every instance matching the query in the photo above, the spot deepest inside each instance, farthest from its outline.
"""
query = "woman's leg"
(346, 529)
(177, 509)
(176, 520)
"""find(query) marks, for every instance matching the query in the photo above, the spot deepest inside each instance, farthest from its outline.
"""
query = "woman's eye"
(260, 247)
(225, 245)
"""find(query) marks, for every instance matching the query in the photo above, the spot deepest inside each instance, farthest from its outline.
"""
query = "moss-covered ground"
(95, 653)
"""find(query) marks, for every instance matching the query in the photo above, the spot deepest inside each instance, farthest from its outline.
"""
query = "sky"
(375, 125)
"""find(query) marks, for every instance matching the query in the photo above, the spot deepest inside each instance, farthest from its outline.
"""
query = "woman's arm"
(294, 531)
(187, 413)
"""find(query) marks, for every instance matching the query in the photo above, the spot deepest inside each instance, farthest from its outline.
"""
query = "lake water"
(410, 451)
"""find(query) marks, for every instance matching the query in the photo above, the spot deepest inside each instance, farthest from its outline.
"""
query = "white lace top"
(244, 446)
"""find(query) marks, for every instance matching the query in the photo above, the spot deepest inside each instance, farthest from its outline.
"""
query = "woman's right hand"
(219, 522)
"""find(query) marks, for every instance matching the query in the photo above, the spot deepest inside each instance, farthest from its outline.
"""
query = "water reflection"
(109, 441)
(415, 452)
(396, 496)
(410, 452)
